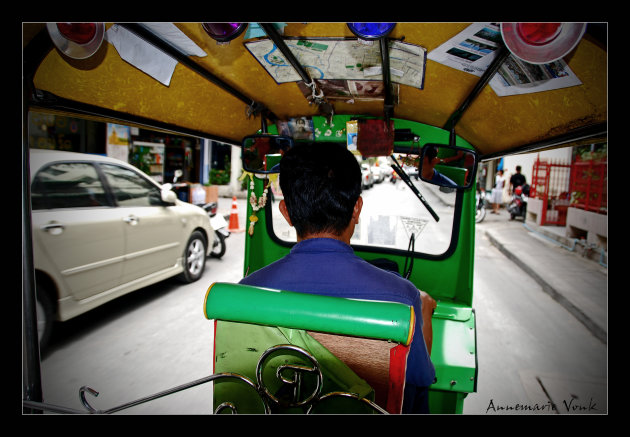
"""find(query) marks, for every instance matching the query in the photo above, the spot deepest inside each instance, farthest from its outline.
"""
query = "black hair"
(321, 183)
(431, 152)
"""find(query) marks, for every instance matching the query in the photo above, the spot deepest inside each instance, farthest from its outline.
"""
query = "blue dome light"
(371, 31)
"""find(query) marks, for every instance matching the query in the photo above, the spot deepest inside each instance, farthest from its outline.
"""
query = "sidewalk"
(577, 283)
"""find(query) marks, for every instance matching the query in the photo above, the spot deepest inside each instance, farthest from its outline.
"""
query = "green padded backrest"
(361, 318)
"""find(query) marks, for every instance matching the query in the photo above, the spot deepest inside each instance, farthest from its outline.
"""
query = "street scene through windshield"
(391, 213)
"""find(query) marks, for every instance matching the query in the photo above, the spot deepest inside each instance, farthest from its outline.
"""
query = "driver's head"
(321, 184)
(431, 152)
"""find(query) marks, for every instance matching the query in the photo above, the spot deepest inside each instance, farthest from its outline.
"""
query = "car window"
(67, 185)
(130, 188)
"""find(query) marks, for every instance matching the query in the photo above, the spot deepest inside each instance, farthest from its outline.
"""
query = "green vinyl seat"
(311, 346)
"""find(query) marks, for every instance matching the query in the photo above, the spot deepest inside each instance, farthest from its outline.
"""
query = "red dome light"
(541, 43)
(77, 40)
(81, 33)
(538, 33)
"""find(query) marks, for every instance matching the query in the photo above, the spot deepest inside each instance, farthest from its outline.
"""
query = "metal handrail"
(267, 399)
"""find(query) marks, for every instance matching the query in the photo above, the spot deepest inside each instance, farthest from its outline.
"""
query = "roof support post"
(31, 373)
(502, 54)
(388, 105)
(273, 34)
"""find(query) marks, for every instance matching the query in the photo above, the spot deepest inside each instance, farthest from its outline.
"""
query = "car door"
(78, 238)
(153, 231)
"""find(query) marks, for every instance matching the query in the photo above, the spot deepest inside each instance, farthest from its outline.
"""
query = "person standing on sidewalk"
(497, 192)
(517, 180)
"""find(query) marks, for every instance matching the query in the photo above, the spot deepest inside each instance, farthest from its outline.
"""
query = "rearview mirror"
(447, 166)
(261, 153)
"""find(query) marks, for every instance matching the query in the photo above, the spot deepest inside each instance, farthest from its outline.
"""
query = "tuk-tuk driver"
(321, 185)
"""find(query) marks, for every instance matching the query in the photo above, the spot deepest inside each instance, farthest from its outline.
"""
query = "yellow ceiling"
(491, 123)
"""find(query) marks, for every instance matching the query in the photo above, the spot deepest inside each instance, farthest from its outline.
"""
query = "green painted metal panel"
(454, 353)
(443, 402)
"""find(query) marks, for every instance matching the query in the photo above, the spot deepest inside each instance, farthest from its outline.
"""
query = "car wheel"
(194, 257)
(45, 317)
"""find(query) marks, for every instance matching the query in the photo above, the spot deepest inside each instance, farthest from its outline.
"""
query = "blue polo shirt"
(330, 267)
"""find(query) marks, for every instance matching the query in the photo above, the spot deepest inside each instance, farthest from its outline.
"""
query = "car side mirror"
(257, 148)
(448, 166)
(167, 194)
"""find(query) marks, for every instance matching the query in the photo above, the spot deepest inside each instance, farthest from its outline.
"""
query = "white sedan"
(101, 229)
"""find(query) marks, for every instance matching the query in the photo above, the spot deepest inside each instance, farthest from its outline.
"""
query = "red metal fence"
(550, 183)
(589, 185)
(582, 184)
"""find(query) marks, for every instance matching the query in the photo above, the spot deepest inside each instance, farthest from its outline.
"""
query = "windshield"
(391, 211)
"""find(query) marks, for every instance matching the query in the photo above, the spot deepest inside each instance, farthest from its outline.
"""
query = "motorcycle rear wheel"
(219, 249)
(480, 214)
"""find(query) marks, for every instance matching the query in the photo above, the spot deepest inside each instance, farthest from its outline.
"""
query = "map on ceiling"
(345, 59)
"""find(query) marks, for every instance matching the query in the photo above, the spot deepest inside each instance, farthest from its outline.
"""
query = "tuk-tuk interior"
(255, 84)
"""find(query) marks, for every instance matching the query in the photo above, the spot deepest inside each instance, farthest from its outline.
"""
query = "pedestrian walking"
(497, 192)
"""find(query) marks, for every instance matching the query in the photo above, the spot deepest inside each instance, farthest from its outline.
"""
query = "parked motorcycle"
(220, 226)
(217, 221)
(518, 205)
(480, 213)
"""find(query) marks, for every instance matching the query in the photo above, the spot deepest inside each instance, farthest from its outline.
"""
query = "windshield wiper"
(405, 177)
(410, 250)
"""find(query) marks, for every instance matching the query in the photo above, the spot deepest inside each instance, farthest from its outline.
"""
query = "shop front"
(203, 163)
